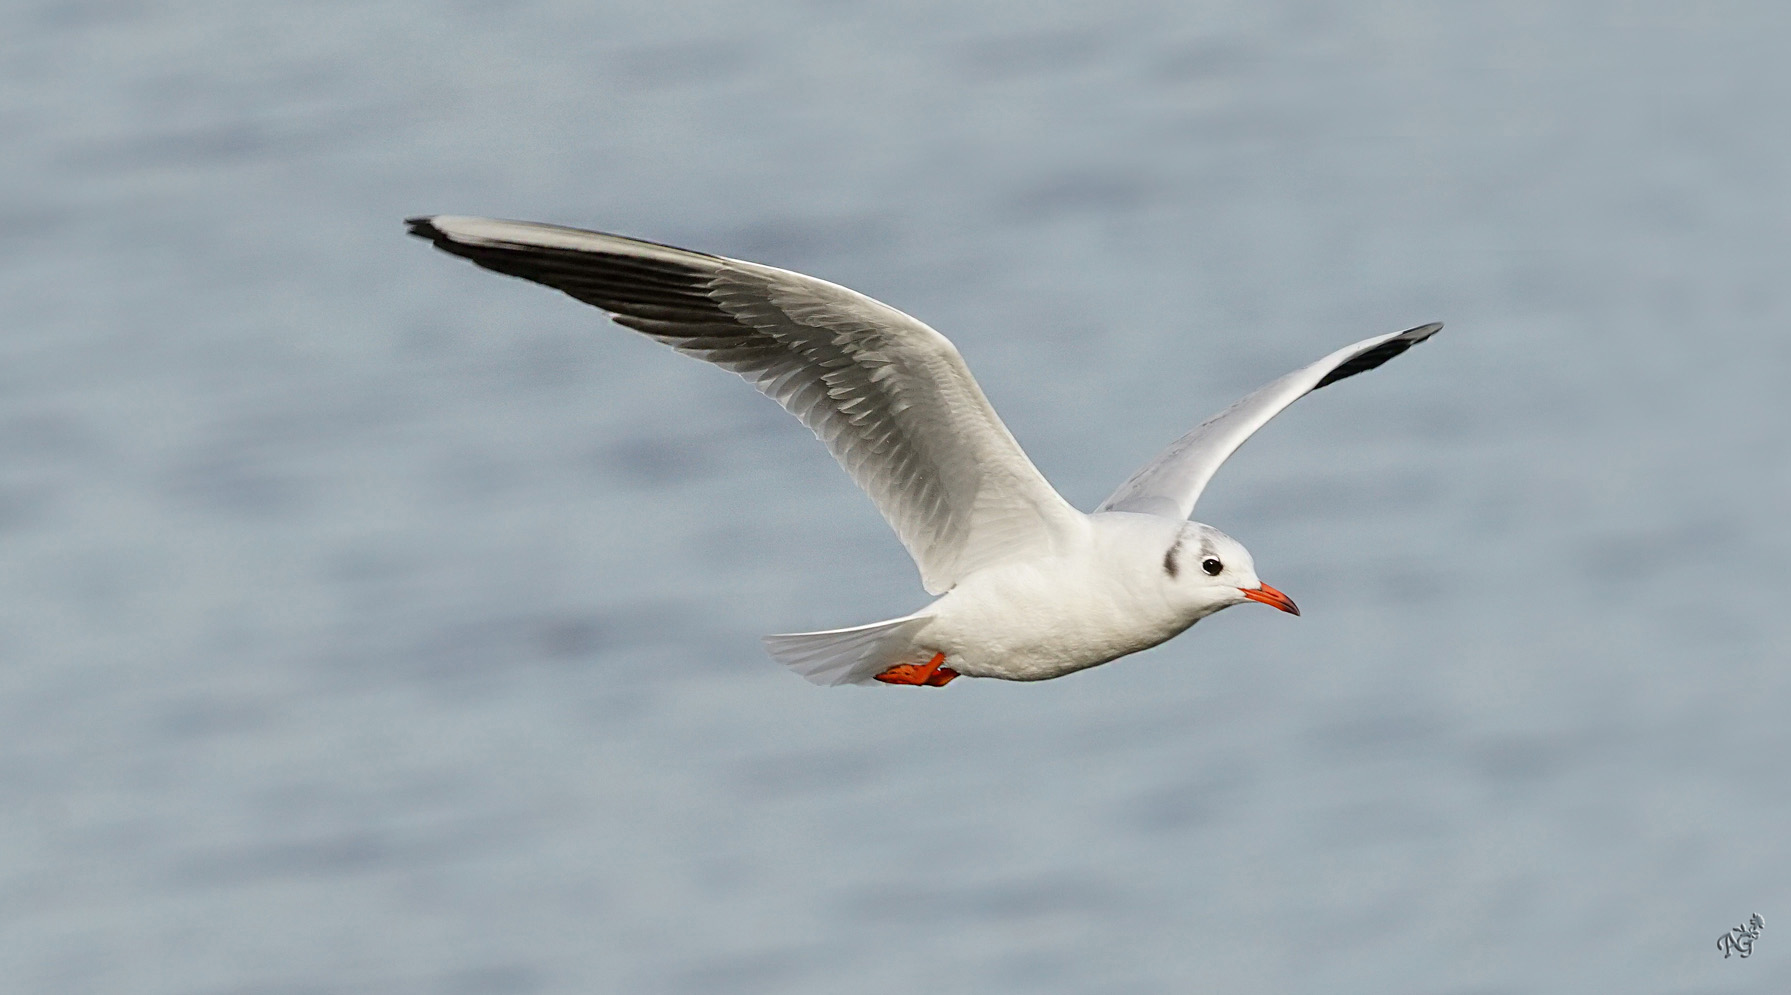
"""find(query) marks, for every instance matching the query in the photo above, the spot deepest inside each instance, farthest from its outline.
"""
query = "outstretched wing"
(1170, 484)
(890, 397)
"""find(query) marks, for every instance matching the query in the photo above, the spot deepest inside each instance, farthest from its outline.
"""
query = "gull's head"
(1215, 571)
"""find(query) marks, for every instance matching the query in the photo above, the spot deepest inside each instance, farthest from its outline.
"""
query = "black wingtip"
(1364, 361)
(423, 228)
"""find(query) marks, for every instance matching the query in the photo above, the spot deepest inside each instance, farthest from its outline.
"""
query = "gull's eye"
(1212, 566)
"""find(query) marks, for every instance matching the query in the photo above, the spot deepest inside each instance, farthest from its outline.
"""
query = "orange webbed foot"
(903, 673)
(931, 674)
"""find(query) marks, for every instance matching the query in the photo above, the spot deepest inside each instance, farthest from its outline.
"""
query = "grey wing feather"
(1170, 484)
(890, 397)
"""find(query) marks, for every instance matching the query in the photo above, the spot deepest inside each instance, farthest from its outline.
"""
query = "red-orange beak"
(1271, 597)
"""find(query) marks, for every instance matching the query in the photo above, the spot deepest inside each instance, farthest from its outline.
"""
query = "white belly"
(1044, 619)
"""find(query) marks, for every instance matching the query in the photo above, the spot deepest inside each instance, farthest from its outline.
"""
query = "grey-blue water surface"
(373, 624)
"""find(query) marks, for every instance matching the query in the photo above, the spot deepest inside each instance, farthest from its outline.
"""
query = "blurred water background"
(373, 624)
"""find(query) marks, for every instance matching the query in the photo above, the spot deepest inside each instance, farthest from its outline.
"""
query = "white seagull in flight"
(1029, 588)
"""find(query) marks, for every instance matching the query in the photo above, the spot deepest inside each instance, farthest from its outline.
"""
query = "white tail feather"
(848, 656)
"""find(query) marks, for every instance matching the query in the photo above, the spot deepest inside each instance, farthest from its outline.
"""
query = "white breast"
(1101, 599)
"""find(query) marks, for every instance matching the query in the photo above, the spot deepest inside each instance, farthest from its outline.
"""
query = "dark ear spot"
(1169, 564)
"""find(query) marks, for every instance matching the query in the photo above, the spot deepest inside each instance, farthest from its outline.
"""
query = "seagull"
(1027, 587)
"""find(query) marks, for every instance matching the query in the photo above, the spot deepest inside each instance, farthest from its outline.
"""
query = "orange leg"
(931, 675)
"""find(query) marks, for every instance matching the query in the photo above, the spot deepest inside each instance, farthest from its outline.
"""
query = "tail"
(848, 656)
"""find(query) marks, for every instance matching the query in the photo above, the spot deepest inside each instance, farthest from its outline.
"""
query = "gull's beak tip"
(1271, 597)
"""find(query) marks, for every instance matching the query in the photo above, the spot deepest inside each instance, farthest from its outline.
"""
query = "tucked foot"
(932, 674)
